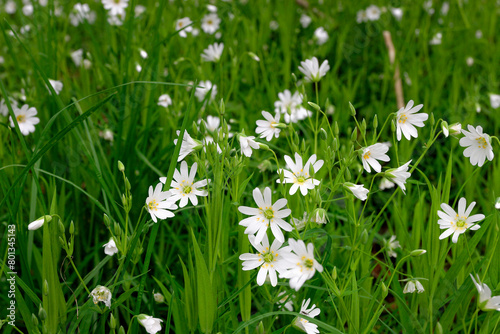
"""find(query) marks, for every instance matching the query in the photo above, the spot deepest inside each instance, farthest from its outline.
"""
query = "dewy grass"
(249, 166)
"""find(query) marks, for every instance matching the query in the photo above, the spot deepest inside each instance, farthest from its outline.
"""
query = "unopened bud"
(336, 129)
(418, 252)
(127, 184)
(61, 227)
(72, 228)
(439, 328)
(353, 111)
(384, 289)
(347, 174)
(42, 314)
(112, 321)
(61, 242)
(334, 273)
(121, 330)
(354, 134)
(264, 147)
(314, 105)
(34, 319)
(106, 220)
(254, 56)
(322, 134)
(121, 167)
(117, 229)
(393, 125)
(364, 237)
(375, 122)
(432, 120)
(45, 288)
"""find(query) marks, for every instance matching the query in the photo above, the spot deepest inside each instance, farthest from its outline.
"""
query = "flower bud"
(418, 252)
(322, 134)
(439, 328)
(334, 273)
(127, 184)
(61, 242)
(61, 227)
(354, 134)
(121, 330)
(257, 59)
(159, 298)
(112, 321)
(375, 122)
(314, 105)
(353, 111)
(45, 288)
(42, 314)
(34, 319)
(319, 216)
(363, 127)
(72, 228)
(121, 167)
(106, 220)
(393, 125)
(364, 237)
(264, 147)
(336, 129)
(347, 174)
(117, 229)
(384, 289)
(222, 107)
(497, 204)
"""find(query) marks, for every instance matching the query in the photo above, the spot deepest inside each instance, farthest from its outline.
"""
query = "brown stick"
(398, 85)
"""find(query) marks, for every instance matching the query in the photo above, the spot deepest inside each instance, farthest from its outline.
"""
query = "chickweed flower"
(57, 85)
(115, 7)
(152, 325)
(386, 184)
(486, 302)
(371, 154)
(412, 286)
(319, 216)
(300, 224)
(302, 264)
(305, 21)
(213, 52)
(399, 175)
(285, 300)
(321, 36)
(495, 101)
(247, 143)
(270, 260)
(210, 23)
(188, 145)
(110, 248)
(391, 245)
(303, 324)
(268, 128)
(407, 120)
(202, 90)
(373, 13)
(184, 188)
(497, 204)
(312, 71)
(158, 297)
(164, 100)
(291, 107)
(478, 145)
(357, 190)
(266, 215)
(101, 294)
(159, 203)
(4, 110)
(299, 173)
(182, 23)
(26, 119)
(457, 223)
(35, 225)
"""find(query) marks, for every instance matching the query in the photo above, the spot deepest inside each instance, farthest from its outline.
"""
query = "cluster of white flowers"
(210, 24)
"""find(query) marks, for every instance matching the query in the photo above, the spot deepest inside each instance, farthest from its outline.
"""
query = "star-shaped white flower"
(266, 215)
(110, 248)
(457, 223)
(183, 23)
(302, 265)
(164, 100)
(391, 245)
(210, 23)
(399, 175)
(203, 88)
(115, 7)
(159, 203)
(184, 188)
(188, 145)
(299, 173)
(312, 71)
(478, 145)
(101, 294)
(357, 190)
(213, 52)
(26, 119)
(486, 302)
(152, 325)
(267, 128)
(407, 119)
(371, 154)
(306, 325)
(270, 260)
(247, 143)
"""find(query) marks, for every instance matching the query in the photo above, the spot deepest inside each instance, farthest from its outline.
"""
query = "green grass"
(67, 170)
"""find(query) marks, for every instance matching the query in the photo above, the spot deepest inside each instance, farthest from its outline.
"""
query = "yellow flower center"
(20, 118)
(308, 263)
(269, 256)
(461, 223)
(269, 213)
(367, 155)
(153, 205)
(481, 141)
(403, 118)
(209, 22)
(187, 189)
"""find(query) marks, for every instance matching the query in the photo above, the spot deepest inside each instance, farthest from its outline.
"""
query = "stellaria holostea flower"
(371, 154)
(407, 120)
(26, 119)
(164, 100)
(152, 325)
(413, 285)
(303, 324)
(299, 173)
(268, 128)
(486, 302)
(302, 264)
(210, 23)
(184, 188)
(101, 294)
(478, 145)
(391, 245)
(188, 145)
(357, 190)
(312, 71)
(248, 143)
(115, 7)
(183, 23)
(203, 88)
(399, 175)
(159, 203)
(213, 52)
(457, 223)
(110, 248)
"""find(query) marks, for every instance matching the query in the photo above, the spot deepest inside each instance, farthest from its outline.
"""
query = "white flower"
(164, 100)
(305, 21)
(285, 301)
(110, 248)
(138, 10)
(10, 7)
(291, 106)
(303, 324)
(300, 224)
(497, 204)
(479, 34)
(188, 145)
(361, 16)
(152, 325)
(373, 13)
(210, 23)
(478, 145)
(312, 71)
(391, 245)
(247, 143)
(437, 39)
(77, 57)
(159, 203)
(213, 52)
(411, 285)
(454, 128)
(266, 215)
(203, 88)
(457, 223)
(397, 13)
(407, 119)
(159, 298)
(116, 19)
(212, 8)
(184, 188)
(299, 173)
(486, 302)
(267, 128)
(270, 260)
(101, 294)
(28, 9)
(4, 110)
(470, 61)
(371, 154)
(35, 225)
(26, 119)
(303, 266)
(399, 175)
(57, 85)
(495, 101)
(386, 184)
(115, 7)
(81, 13)
(358, 190)
(182, 23)
(320, 35)
(319, 216)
